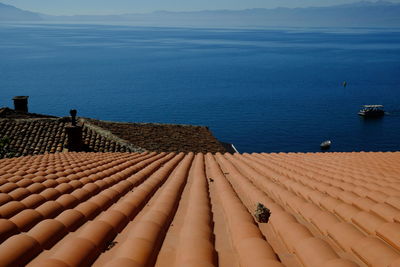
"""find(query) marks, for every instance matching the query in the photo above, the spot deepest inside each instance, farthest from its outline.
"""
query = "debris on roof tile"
(262, 213)
(168, 209)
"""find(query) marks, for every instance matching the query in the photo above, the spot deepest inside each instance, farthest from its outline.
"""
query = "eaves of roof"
(167, 209)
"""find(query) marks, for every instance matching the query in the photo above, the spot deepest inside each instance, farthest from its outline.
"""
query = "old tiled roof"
(127, 209)
(12, 114)
(38, 136)
(32, 136)
(164, 137)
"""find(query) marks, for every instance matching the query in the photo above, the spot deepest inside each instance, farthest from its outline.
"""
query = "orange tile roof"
(149, 209)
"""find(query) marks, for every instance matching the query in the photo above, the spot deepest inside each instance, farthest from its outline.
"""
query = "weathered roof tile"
(47, 135)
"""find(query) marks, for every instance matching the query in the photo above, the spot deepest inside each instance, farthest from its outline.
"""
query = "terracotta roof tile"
(374, 252)
(149, 209)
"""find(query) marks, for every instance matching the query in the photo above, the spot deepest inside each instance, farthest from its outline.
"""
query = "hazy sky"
(70, 7)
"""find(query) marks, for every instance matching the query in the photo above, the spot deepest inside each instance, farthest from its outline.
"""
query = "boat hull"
(371, 114)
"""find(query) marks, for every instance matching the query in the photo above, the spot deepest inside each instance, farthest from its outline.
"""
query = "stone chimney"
(74, 133)
(21, 103)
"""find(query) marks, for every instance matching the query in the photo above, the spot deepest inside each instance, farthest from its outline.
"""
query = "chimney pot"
(73, 113)
(21, 103)
(74, 134)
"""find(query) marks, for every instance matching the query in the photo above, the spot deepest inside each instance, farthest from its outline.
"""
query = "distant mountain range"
(10, 13)
(359, 14)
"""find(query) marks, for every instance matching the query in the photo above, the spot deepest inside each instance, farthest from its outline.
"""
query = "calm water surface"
(263, 90)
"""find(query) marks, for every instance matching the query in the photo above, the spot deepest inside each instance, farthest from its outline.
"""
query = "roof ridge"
(106, 133)
(148, 123)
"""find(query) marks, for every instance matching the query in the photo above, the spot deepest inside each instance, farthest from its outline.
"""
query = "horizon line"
(204, 10)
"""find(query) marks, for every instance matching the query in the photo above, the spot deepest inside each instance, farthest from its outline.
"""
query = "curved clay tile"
(7, 229)
(367, 221)
(4, 198)
(394, 201)
(376, 196)
(3, 180)
(346, 211)
(41, 171)
(62, 179)
(19, 193)
(115, 218)
(102, 201)
(314, 252)
(340, 262)
(50, 193)
(24, 182)
(277, 218)
(52, 176)
(50, 183)
(72, 219)
(308, 210)
(363, 203)
(19, 250)
(85, 180)
(92, 188)
(67, 201)
(385, 211)
(38, 179)
(390, 232)
(75, 184)
(8, 187)
(375, 252)
(127, 209)
(50, 209)
(99, 233)
(330, 203)
(293, 233)
(345, 235)
(26, 219)
(81, 194)
(11, 208)
(111, 193)
(76, 252)
(101, 184)
(64, 188)
(33, 201)
(122, 187)
(48, 232)
(324, 221)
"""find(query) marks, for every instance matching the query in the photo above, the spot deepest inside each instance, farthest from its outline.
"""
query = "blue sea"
(264, 90)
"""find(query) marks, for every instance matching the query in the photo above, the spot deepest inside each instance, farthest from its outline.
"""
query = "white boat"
(371, 111)
(326, 144)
